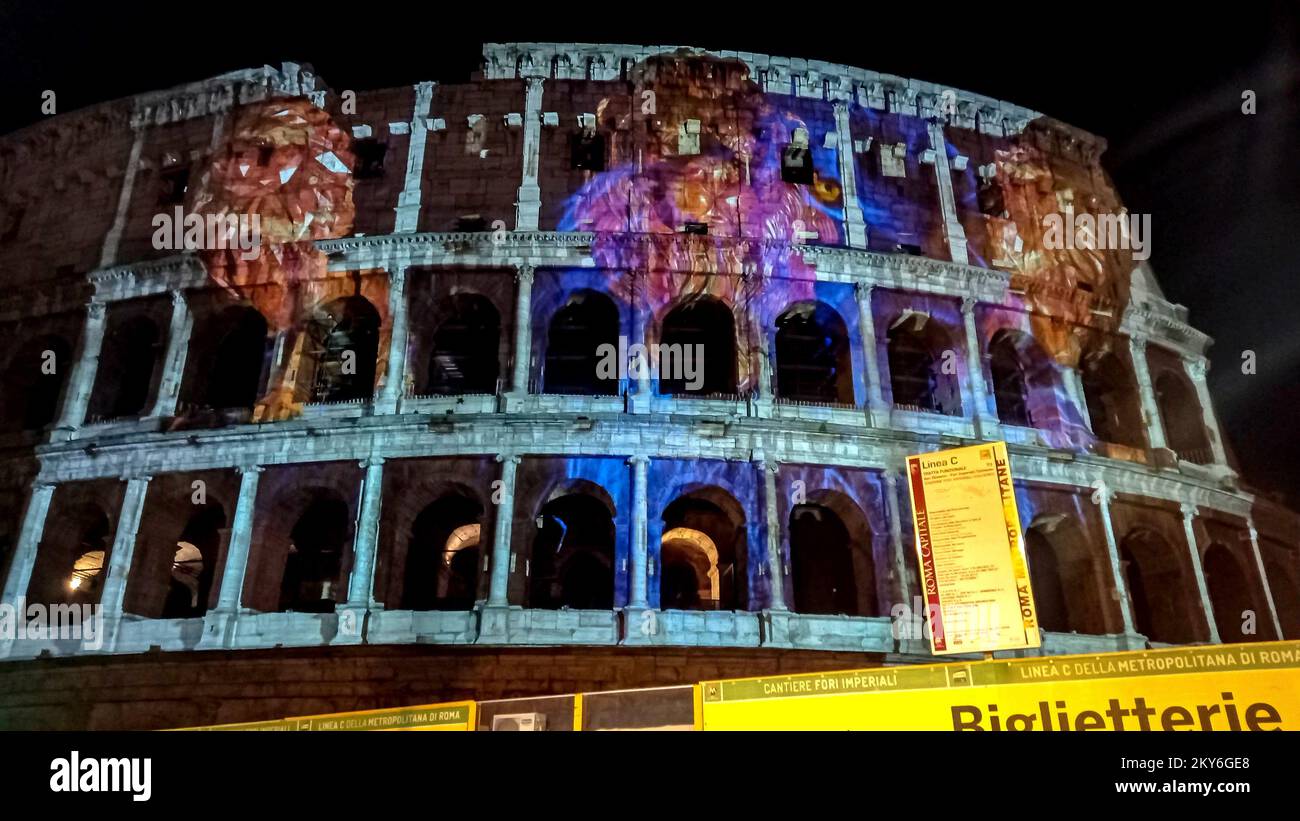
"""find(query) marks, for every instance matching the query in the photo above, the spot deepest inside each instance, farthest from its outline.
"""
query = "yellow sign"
(973, 573)
(1224, 687)
(459, 715)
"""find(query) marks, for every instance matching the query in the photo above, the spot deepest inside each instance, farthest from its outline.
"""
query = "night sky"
(1164, 86)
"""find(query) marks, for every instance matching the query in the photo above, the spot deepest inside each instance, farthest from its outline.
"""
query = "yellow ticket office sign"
(1247, 687)
(459, 715)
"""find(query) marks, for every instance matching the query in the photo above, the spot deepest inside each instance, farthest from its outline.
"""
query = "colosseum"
(595, 371)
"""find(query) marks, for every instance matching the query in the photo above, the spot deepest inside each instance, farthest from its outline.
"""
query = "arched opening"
(1163, 602)
(193, 562)
(233, 376)
(70, 563)
(464, 358)
(124, 379)
(1286, 598)
(33, 383)
(1010, 385)
(812, 355)
(830, 558)
(1180, 412)
(588, 321)
(923, 366)
(1112, 400)
(572, 563)
(697, 349)
(1230, 597)
(1067, 590)
(317, 541)
(343, 345)
(702, 553)
(443, 561)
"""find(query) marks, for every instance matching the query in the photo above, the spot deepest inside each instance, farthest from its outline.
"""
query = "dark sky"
(1163, 85)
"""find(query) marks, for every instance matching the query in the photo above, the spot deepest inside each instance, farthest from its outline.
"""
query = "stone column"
(1189, 514)
(763, 399)
(529, 208)
(855, 228)
(408, 201)
(986, 424)
(178, 345)
(640, 554)
(1196, 371)
(1150, 410)
(76, 396)
(775, 565)
(523, 331)
(639, 372)
(499, 589)
(902, 585)
(123, 550)
(1074, 387)
(390, 395)
(952, 228)
(1102, 496)
(1263, 577)
(241, 537)
(29, 541)
(108, 254)
(877, 410)
(361, 584)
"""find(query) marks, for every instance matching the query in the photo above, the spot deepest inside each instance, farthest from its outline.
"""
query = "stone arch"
(832, 569)
(1180, 415)
(318, 541)
(571, 563)
(812, 357)
(445, 554)
(465, 347)
(1162, 594)
(73, 557)
(923, 372)
(1286, 597)
(703, 548)
(1025, 381)
(231, 367)
(575, 333)
(127, 371)
(193, 562)
(1069, 590)
(31, 391)
(340, 351)
(1112, 398)
(697, 348)
(1231, 596)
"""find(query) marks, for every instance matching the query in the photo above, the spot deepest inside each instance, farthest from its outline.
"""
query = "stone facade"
(497, 216)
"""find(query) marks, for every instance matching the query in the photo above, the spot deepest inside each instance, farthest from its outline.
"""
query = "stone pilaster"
(1102, 496)
(499, 582)
(29, 541)
(178, 345)
(1263, 578)
(529, 207)
(76, 397)
(365, 547)
(1147, 393)
(640, 522)
(408, 202)
(123, 551)
(1194, 551)
(877, 410)
(390, 394)
(523, 335)
(219, 624)
(902, 584)
(108, 254)
(986, 424)
(855, 228)
(775, 564)
(1196, 371)
(953, 232)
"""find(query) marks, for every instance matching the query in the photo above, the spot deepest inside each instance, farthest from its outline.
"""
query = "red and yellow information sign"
(973, 571)
(1246, 687)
